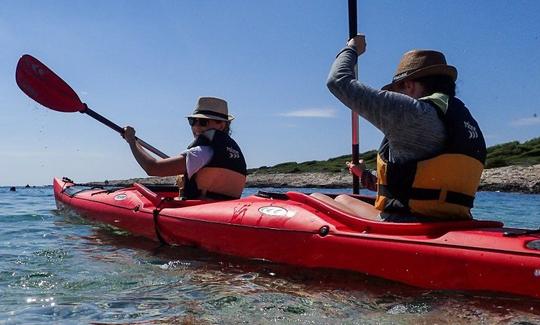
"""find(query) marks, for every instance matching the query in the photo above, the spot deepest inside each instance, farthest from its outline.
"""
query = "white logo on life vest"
(273, 211)
(473, 133)
(233, 154)
(120, 197)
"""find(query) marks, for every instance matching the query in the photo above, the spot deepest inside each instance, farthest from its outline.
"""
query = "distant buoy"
(12, 189)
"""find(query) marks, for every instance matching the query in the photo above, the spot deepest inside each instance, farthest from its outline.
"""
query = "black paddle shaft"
(103, 119)
(120, 130)
(353, 26)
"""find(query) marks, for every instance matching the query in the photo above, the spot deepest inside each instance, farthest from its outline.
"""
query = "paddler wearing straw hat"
(433, 152)
(213, 166)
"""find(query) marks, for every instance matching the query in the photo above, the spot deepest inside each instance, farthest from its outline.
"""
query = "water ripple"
(62, 269)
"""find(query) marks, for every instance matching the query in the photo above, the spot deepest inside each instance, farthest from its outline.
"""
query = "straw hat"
(212, 108)
(421, 63)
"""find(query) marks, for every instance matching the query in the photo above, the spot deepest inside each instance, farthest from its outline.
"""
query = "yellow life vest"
(441, 187)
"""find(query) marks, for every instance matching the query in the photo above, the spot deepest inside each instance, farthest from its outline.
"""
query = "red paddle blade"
(45, 87)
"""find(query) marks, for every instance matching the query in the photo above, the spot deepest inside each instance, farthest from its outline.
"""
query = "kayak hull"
(296, 229)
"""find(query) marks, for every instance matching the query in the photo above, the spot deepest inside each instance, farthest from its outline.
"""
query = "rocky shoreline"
(512, 179)
(505, 179)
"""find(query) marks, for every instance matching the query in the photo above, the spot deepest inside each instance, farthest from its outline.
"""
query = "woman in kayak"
(213, 166)
(431, 159)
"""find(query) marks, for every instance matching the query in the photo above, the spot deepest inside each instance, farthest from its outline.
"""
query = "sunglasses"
(201, 121)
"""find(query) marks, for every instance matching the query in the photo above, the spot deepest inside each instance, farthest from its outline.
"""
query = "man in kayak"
(431, 159)
(213, 166)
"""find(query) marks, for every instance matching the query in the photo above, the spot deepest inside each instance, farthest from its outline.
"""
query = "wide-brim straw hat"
(212, 108)
(421, 63)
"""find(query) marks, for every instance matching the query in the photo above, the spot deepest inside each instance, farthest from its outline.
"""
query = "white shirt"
(196, 158)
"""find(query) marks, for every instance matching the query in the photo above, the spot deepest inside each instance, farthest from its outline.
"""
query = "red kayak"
(296, 229)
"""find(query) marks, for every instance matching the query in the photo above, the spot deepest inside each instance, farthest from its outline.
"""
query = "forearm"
(341, 79)
(369, 180)
(383, 109)
(153, 167)
(343, 84)
(145, 160)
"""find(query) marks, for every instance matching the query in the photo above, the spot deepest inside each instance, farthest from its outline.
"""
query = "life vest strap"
(431, 194)
(460, 198)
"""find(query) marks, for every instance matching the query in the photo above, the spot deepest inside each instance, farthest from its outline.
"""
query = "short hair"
(438, 84)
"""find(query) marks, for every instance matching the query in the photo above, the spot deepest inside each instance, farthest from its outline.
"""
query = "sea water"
(61, 269)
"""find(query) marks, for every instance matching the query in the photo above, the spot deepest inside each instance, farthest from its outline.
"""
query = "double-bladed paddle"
(354, 115)
(45, 87)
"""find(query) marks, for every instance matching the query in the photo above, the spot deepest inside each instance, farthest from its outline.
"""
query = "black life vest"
(441, 187)
(224, 176)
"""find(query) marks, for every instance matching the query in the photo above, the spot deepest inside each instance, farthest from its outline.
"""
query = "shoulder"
(199, 152)
(197, 149)
(401, 106)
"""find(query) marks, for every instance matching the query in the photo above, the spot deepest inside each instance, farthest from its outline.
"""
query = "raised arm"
(152, 166)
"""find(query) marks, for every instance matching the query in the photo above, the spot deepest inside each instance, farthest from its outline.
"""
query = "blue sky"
(144, 63)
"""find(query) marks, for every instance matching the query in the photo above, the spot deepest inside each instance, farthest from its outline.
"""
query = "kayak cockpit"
(359, 224)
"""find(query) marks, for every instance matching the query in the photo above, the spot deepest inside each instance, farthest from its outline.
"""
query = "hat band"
(225, 116)
(400, 76)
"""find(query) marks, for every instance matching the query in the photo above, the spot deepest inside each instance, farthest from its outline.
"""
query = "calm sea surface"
(61, 269)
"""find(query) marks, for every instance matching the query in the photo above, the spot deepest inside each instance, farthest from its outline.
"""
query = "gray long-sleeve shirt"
(412, 127)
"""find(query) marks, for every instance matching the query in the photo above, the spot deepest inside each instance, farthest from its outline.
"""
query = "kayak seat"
(167, 201)
(357, 223)
(365, 198)
(164, 189)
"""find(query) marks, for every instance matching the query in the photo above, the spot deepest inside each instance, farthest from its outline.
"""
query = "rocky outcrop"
(512, 179)
(505, 179)
(317, 180)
